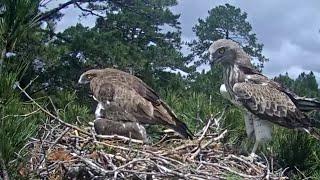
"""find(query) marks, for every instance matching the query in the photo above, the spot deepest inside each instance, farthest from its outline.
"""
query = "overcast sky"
(288, 29)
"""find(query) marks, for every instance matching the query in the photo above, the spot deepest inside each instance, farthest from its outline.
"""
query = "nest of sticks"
(65, 151)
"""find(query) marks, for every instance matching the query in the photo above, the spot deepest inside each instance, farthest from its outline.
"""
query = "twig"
(282, 173)
(220, 136)
(129, 163)
(88, 11)
(205, 130)
(56, 141)
(185, 176)
(119, 137)
(114, 167)
(243, 161)
(50, 114)
(233, 171)
(207, 144)
(91, 164)
(161, 140)
(268, 167)
(22, 115)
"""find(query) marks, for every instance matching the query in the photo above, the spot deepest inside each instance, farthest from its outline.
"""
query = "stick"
(22, 115)
(233, 171)
(195, 154)
(119, 137)
(56, 141)
(205, 130)
(50, 114)
(92, 165)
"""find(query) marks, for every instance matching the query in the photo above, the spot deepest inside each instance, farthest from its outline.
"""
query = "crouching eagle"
(264, 98)
(124, 97)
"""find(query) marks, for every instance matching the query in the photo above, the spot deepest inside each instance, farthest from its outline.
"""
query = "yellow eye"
(221, 51)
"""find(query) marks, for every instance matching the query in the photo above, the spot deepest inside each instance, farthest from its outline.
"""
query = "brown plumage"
(123, 128)
(261, 96)
(122, 93)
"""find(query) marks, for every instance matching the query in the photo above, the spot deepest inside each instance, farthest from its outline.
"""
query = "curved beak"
(83, 79)
(215, 58)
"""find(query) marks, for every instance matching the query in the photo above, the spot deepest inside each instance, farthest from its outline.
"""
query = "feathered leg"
(98, 113)
(263, 133)
(143, 133)
(254, 149)
(258, 128)
(248, 120)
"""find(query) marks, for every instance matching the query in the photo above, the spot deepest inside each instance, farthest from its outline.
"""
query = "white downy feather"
(262, 130)
(248, 120)
(99, 108)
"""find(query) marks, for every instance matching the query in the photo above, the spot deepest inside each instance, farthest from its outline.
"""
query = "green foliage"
(17, 18)
(285, 80)
(18, 122)
(130, 38)
(226, 21)
(68, 108)
(297, 151)
(292, 148)
(306, 85)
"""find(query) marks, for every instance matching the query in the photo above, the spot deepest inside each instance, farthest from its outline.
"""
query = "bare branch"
(88, 11)
(47, 15)
(49, 113)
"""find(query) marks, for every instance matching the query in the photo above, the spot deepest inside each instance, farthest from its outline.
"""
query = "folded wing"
(269, 103)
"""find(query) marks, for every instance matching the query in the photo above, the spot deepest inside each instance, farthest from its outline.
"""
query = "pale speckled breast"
(232, 75)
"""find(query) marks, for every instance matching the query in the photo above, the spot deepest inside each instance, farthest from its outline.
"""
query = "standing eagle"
(124, 97)
(264, 98)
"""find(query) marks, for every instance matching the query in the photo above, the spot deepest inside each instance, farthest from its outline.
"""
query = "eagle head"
(224, 51)
(87, 76)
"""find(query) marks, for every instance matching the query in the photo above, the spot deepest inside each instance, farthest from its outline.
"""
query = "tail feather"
(182, 129)
(303, 103)
(307, 104)
(176, 124)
